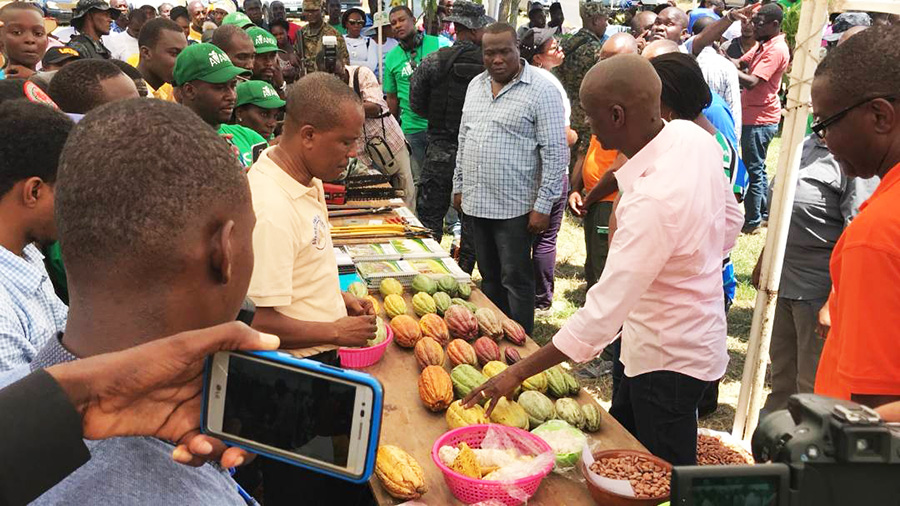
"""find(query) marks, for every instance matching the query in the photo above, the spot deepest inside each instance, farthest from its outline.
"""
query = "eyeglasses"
(356, 22)
(819, 127)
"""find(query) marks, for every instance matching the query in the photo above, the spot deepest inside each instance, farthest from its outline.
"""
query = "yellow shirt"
(195, 35)
(165, 92)
(295, 271)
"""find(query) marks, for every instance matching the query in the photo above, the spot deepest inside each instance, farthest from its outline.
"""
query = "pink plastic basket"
(469, 490)
(357, 358)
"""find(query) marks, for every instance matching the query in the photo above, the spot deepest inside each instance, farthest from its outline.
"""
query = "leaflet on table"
(396, 249)
(405, 270)
(344, 262)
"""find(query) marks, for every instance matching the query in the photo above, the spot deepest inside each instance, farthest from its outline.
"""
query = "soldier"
(437, 91)
(582, 51)
(309, 42)
(92, 19)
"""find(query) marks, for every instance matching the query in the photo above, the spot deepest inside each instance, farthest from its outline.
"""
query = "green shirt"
(340, 28)
(245, 140)
(397, 70)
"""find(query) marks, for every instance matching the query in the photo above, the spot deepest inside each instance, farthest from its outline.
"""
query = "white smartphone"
(299, 411)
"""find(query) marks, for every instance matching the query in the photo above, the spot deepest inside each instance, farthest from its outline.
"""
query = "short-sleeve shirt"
(761, 105)
(596, 163)
(399, 65)
(245, 140)
(862, 351)
(295, 271)
(825, 202)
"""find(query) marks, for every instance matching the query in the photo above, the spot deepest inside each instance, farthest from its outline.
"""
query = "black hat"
(469, 14)
(56, 55)
(84, 6)
(535, 6)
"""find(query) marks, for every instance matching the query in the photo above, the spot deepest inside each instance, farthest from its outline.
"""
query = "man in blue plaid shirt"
(31, 139)
(509, 169)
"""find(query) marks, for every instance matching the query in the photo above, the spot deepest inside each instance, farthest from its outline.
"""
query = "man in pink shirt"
(662, 283)
(759, 73)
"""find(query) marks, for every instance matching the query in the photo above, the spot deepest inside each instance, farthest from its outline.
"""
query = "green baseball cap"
(205, 62)
(263, 41)
(238, 19)
(258, 93)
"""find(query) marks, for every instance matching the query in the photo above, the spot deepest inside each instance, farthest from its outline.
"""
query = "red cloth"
(292, 32)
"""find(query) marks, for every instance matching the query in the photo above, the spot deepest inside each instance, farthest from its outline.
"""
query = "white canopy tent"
(807, 54)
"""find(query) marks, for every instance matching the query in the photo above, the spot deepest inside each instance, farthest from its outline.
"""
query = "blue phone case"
(311, 365)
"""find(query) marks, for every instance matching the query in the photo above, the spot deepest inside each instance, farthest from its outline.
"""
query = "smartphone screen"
(296, 412)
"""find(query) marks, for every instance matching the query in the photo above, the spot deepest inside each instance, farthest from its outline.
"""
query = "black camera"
(822, 451)
(329, 48)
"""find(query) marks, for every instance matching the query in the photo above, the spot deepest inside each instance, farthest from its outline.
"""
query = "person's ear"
(221, 258)
(145, 52)
(684, 34)
(33, 190)
(617, 114)
(886, 117)
(308, 135)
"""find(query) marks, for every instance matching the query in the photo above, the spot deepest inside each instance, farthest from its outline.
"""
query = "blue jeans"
(755, 141)
(503, 251)
(417, 143)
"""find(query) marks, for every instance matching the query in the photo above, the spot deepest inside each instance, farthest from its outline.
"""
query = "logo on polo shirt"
(218, 58)
(320, 229)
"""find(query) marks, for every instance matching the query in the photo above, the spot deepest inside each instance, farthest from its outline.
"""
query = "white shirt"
(567, 105)
(121, 45)
(363, 52)
(722, 78)
(677, 218)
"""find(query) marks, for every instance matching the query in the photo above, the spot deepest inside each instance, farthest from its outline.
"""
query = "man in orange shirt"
(596, 204)
(599, 192)
(854, 98)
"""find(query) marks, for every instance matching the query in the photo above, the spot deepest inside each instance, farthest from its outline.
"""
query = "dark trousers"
(433, 199)
(503, 251)
(660, 409)
(596, 242)
(543, 255)
(755, 141)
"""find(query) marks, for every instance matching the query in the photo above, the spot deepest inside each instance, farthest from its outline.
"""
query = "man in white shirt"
(123, 45)
(662, 283)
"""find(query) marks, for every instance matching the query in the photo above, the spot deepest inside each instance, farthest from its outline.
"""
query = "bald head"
(620, 43)
(850, 32)
(658, 47)
(641, 22)
(670, 24)
(621, 98)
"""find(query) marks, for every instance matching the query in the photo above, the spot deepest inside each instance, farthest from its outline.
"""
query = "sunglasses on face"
(357, 22)
(820, 127)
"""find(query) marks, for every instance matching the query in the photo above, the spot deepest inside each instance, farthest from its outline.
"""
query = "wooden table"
(409, 425)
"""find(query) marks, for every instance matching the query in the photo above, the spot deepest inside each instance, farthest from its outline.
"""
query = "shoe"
(750, 229)
(543, 312)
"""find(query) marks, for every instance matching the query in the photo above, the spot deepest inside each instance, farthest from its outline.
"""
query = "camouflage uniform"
(582, 51)
(309, 43)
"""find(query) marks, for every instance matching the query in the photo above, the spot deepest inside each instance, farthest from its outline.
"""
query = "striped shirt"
(512, 148)
(30, 312)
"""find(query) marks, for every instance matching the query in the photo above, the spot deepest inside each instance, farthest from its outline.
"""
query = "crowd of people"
(654, 133)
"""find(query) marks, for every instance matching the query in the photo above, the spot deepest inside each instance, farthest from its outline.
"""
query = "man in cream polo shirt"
(295, 279)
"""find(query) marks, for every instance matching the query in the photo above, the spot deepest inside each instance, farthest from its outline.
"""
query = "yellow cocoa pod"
(399, 473)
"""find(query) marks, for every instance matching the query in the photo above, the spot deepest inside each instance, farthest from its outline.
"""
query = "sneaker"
(543, 312)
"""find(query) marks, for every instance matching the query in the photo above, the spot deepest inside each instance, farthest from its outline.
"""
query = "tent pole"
(813, 16)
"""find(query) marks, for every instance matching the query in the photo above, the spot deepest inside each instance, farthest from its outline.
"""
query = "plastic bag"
(567, 441)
